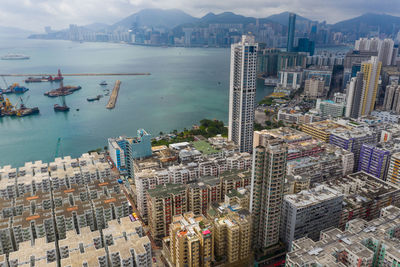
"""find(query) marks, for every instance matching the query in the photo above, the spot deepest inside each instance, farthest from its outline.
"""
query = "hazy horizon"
(34, 15)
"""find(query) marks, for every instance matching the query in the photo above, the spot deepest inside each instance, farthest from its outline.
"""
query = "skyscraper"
(291, 30)
(361, 94)
(371, 70)
(354, 92)
(242, 93)
(267, 182)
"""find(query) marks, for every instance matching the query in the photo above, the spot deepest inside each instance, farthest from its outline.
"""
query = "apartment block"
(164, 202)
(318, 168)
(267, 184)
(374, 160)
(364, 196)
(393, 175)
(40, 253)
(309, 212)
(362, 243)
(127, 244)
(353, 140)
(322, 129)
(232, 234)
(149, 174)
(190, 241)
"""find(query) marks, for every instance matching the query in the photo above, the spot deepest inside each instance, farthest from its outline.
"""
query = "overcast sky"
(35, 14)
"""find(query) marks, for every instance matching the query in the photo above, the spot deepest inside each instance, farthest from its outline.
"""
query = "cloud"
(35, 14)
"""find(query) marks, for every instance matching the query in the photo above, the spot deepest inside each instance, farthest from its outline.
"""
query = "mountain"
(166, 18)
(226, 17)
(369, 22)
(283, 18)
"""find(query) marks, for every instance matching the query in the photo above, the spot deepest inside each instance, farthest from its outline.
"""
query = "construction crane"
(59, 148)
(4, 79)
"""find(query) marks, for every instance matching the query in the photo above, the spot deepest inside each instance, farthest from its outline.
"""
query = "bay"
(185, 86)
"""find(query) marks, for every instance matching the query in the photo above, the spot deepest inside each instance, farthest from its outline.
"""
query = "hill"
(283, 18)
(166, 18)
(369, 22)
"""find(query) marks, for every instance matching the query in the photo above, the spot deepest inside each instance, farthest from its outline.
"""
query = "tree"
(161, 133)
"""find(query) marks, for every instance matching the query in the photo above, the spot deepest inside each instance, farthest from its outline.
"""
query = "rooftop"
(164, 190)
(204, 147)
(313, 196)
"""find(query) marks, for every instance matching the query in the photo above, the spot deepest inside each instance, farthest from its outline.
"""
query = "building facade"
(267, 184)
(242, 93)
(309, 212)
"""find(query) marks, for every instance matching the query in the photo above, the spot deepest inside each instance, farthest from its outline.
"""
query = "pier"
(72, 74)
(114, 95)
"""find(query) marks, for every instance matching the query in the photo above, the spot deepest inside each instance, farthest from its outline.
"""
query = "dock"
(72, 74)
(114, 95)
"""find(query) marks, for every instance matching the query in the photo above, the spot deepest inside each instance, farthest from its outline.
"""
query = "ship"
(103, 83)
(24, 111)
(36, 80)
(57, 78)
(62, 90)
(94, 98)
(63, 107)
(14, 89)
(57, 107)
(50, 78)
(15, 57)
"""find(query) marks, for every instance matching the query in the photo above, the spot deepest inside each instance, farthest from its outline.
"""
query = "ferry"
(15, 57)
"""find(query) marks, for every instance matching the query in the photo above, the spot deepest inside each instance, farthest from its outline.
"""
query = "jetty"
(114, 95)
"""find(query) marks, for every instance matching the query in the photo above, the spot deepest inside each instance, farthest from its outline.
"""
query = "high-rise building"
(353, 139)
(232, 235)
(374, 160)
(164, 202)
(371, 70)
(190, 241)
(124, 150)
(354, 93)
(291, 31)
(385, 52)
(393, 175)
(392, 94)
(309, 212)
(315, 88)
(305, 45)
(242, 93)
(267, 184)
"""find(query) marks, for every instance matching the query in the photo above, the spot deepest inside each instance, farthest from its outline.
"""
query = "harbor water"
(185, 86)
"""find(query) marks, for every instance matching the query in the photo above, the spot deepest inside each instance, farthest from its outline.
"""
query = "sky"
(35, 14)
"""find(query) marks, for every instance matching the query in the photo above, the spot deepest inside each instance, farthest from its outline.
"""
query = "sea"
(185, 86)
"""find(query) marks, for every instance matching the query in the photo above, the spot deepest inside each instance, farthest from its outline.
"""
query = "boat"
(14, 89)
(23, 111)
(15, 57)
(57, 107)
(63, 107)
(57, 78)
(103, 83)
(62, 90)
(36, 80)
(94, 98)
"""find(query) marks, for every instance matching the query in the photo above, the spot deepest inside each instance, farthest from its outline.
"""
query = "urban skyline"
(307, 175)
